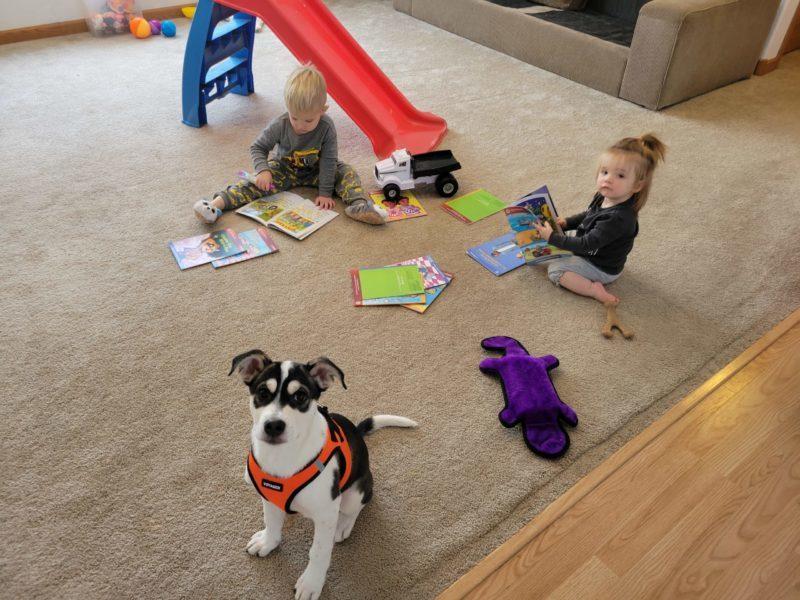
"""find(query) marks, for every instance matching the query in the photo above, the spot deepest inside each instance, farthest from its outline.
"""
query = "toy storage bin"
(106, 17)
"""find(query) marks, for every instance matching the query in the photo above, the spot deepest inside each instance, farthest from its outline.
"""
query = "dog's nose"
(274, 428)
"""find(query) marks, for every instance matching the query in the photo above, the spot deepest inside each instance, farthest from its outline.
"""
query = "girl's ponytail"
(647, 151)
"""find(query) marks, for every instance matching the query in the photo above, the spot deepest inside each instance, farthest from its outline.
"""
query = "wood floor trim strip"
(35, 32)
(470, 580)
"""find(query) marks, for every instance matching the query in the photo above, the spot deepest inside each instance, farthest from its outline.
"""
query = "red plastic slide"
(313, 34)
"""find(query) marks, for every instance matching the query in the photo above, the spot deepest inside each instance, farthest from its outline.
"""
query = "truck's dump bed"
(433, 163)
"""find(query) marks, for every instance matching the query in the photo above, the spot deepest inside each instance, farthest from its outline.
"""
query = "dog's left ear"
(249, 364)
(325, 372)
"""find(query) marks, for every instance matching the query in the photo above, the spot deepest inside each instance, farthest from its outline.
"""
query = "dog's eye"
(300, 397)
(264, 394)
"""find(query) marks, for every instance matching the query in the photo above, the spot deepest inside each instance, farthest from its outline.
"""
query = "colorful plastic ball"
(142, 29)
(155, 26)
(168, 29)
(134, 24)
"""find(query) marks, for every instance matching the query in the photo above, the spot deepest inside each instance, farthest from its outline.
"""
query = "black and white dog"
(303, 459)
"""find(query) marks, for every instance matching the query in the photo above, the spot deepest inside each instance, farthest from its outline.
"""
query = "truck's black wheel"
(446, 185)
(391, 191)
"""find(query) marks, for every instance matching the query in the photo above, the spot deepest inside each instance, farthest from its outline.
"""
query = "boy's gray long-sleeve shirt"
(315, 150)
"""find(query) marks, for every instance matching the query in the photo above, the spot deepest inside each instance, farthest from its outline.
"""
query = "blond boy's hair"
(305, 90)
(645, 152)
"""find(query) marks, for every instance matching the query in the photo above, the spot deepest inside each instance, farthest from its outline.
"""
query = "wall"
(22, 13)
(783, 19)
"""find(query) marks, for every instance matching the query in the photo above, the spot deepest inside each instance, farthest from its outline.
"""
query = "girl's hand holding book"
(544, 229)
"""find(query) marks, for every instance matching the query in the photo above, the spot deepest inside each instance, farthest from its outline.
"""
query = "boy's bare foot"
(602, 295)
(365, 211)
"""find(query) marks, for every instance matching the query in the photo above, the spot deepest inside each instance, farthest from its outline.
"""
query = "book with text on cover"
(500, 255)
(406, 206)
(256, 242)
(474, 206)
(383, 289)
(204, 248)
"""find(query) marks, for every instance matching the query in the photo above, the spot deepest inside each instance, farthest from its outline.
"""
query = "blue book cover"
(499, 255)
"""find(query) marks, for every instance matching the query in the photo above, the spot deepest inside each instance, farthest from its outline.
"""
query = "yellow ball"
(142, 29)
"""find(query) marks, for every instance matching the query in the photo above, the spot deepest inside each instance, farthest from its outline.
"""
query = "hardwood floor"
(705, 503)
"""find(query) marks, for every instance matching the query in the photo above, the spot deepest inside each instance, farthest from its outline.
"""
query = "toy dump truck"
(403, 171)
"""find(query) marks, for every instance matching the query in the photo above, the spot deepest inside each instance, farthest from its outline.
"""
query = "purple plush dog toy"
(530, 396)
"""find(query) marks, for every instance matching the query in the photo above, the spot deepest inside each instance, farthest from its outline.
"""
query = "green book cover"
(474, 206)
(390, 281)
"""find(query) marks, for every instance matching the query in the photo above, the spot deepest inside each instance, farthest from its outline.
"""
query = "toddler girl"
(604, 233)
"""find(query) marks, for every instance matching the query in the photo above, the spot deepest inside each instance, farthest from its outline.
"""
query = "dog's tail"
(370, 424)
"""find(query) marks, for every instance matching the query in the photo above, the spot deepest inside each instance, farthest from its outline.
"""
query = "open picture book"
(522, 245)
(536, 206)
(289, 213)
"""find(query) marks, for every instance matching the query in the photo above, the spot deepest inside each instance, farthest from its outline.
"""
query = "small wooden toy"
(612, 321)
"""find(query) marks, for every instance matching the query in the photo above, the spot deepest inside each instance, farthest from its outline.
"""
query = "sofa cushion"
(560, 4)
(599, 25)
(564, 4)
(577, 56)
(625, 10)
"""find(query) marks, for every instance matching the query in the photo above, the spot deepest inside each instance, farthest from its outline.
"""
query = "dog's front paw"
(309, 586)
(261, 544)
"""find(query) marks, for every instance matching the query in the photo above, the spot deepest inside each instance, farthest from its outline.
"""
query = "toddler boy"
(306, 154)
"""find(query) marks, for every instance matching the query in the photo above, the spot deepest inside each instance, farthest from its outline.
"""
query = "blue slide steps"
(218, 59)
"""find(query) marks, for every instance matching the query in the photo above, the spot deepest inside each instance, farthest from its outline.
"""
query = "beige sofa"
(679, 48)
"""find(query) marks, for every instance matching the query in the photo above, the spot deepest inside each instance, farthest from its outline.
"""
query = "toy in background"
(530, 396)
(140, 28)
(404, 171)
(168, 28)
(106, 17)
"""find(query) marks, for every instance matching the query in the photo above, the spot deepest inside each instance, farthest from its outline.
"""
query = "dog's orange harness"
(280, 491)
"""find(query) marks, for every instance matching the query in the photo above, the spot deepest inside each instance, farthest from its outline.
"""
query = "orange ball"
(134, 24)
(142, 29)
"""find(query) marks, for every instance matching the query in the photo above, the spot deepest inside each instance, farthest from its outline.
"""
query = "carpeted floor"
(123, 441)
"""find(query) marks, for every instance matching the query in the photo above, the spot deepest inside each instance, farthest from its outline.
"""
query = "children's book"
(405, 206)
(499, 255)
(387, 282)
(537, 206)
(432, 275)
(359, 300)
(256, 242)
(474, 206)
(204, 248)
(289, 213)
(431, 294)
(433, 280)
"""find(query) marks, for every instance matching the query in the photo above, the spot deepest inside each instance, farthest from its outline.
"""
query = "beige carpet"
(123, 441)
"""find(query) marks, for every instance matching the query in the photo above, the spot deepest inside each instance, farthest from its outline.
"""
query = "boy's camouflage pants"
(347, 184)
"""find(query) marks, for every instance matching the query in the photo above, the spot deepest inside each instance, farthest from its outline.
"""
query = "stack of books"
(413, 284)
(221, 248)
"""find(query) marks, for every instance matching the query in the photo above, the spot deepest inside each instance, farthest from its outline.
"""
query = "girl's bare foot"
(602, 295)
